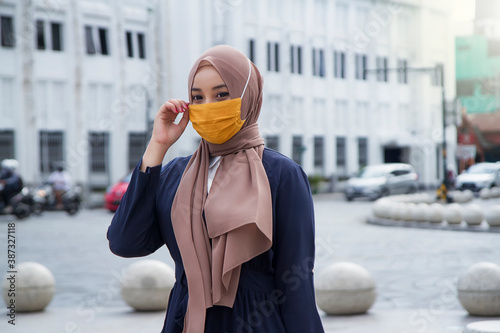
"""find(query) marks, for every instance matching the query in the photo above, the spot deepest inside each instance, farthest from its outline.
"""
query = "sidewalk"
(125, 320)
(415, 269)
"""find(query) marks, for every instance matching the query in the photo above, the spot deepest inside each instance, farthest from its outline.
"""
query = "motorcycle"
(20, 205)
(45, 199)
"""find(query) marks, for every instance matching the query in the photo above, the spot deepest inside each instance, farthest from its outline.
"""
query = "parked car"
(114, 193)
(376, 181)
(479, 176)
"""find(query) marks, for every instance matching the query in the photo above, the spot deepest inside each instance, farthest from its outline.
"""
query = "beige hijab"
(237, 222)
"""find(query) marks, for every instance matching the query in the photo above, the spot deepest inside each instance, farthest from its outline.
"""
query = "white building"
(87, 103)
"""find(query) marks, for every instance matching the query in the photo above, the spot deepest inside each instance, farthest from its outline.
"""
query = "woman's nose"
(209, 100)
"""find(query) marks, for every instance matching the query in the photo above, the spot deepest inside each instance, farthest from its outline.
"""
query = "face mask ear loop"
(248, 80)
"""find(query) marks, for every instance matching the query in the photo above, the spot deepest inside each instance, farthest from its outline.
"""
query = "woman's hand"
(165, 131)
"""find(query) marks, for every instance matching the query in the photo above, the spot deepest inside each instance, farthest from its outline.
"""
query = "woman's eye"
(222, 94)
(196, 97)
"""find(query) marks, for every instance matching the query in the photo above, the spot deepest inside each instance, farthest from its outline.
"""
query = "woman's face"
(208, 86)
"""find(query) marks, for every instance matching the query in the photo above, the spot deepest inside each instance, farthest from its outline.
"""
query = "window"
(130, 48)
(276, 57)
(299, 59)
(7, 31)
(339, 64)
(273, 142)
(141, 41)
(320, 13)
(89, 40)
(99, 145)
(136, 147)
(297, 149)
(362, 152)
(51, 150)
(382, 69)
(296, 59)
(466, 87)
(251, 50)
(55, 34)
(56, 31)
(318, 58)
(273, 57)
(101, 37)
(318, 152)
(6, 144)
(7, 107)
(341, 114)
(269, 56)
(360, 62)
(341, 154)
(402, 71)
(341, 17)
(40, 35)
(103, 40)
(141, 44)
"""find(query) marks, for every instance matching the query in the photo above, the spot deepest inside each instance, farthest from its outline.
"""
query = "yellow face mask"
(217, 122)
(220, 121)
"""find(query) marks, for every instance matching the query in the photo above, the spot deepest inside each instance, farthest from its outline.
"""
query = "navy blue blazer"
(275, 292)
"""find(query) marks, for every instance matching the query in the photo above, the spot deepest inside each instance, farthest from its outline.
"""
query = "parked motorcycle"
(45, 199)
(20, 205)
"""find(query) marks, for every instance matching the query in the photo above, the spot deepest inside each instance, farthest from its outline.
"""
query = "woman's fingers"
(184, 120)
(179, 105)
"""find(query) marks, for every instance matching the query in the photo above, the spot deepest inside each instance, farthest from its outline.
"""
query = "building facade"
(81, 81)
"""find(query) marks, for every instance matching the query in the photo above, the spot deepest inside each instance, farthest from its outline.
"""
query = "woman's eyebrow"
(219, 86)
(214, 88)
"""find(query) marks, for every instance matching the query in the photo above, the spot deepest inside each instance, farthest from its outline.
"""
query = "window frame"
(8, 38)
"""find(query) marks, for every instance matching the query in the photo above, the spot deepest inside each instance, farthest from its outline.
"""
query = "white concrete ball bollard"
(399, 211)
(485, 326)
(381, 208)
(465, 197)
(473, 214)
(389, 214)
(420, 212)
(458, 196)
(435, 213)
(495, 192)
(479, 289)
(407, 212)
(452, 214)
(146, 285)
(428, 199)
(485, 193)
(34, 287)
(396, 210)
(492, 216)
(468, 195)
(345, 288)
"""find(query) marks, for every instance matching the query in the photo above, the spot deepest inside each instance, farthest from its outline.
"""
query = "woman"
(237, 218)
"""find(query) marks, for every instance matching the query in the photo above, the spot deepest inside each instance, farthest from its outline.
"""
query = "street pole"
(443, 192)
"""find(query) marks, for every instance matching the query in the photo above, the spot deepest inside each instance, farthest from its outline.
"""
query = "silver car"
(479, 176)
(376, 181)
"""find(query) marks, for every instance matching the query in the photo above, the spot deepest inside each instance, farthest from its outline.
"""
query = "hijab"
(218, 232)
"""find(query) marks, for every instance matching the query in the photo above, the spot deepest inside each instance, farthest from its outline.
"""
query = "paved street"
(415, 269)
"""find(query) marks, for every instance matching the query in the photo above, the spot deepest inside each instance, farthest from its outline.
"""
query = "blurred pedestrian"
(237, 217)
(61, 182)
(11, 182)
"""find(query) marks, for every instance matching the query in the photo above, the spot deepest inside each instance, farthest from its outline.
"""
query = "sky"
(463, 10)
